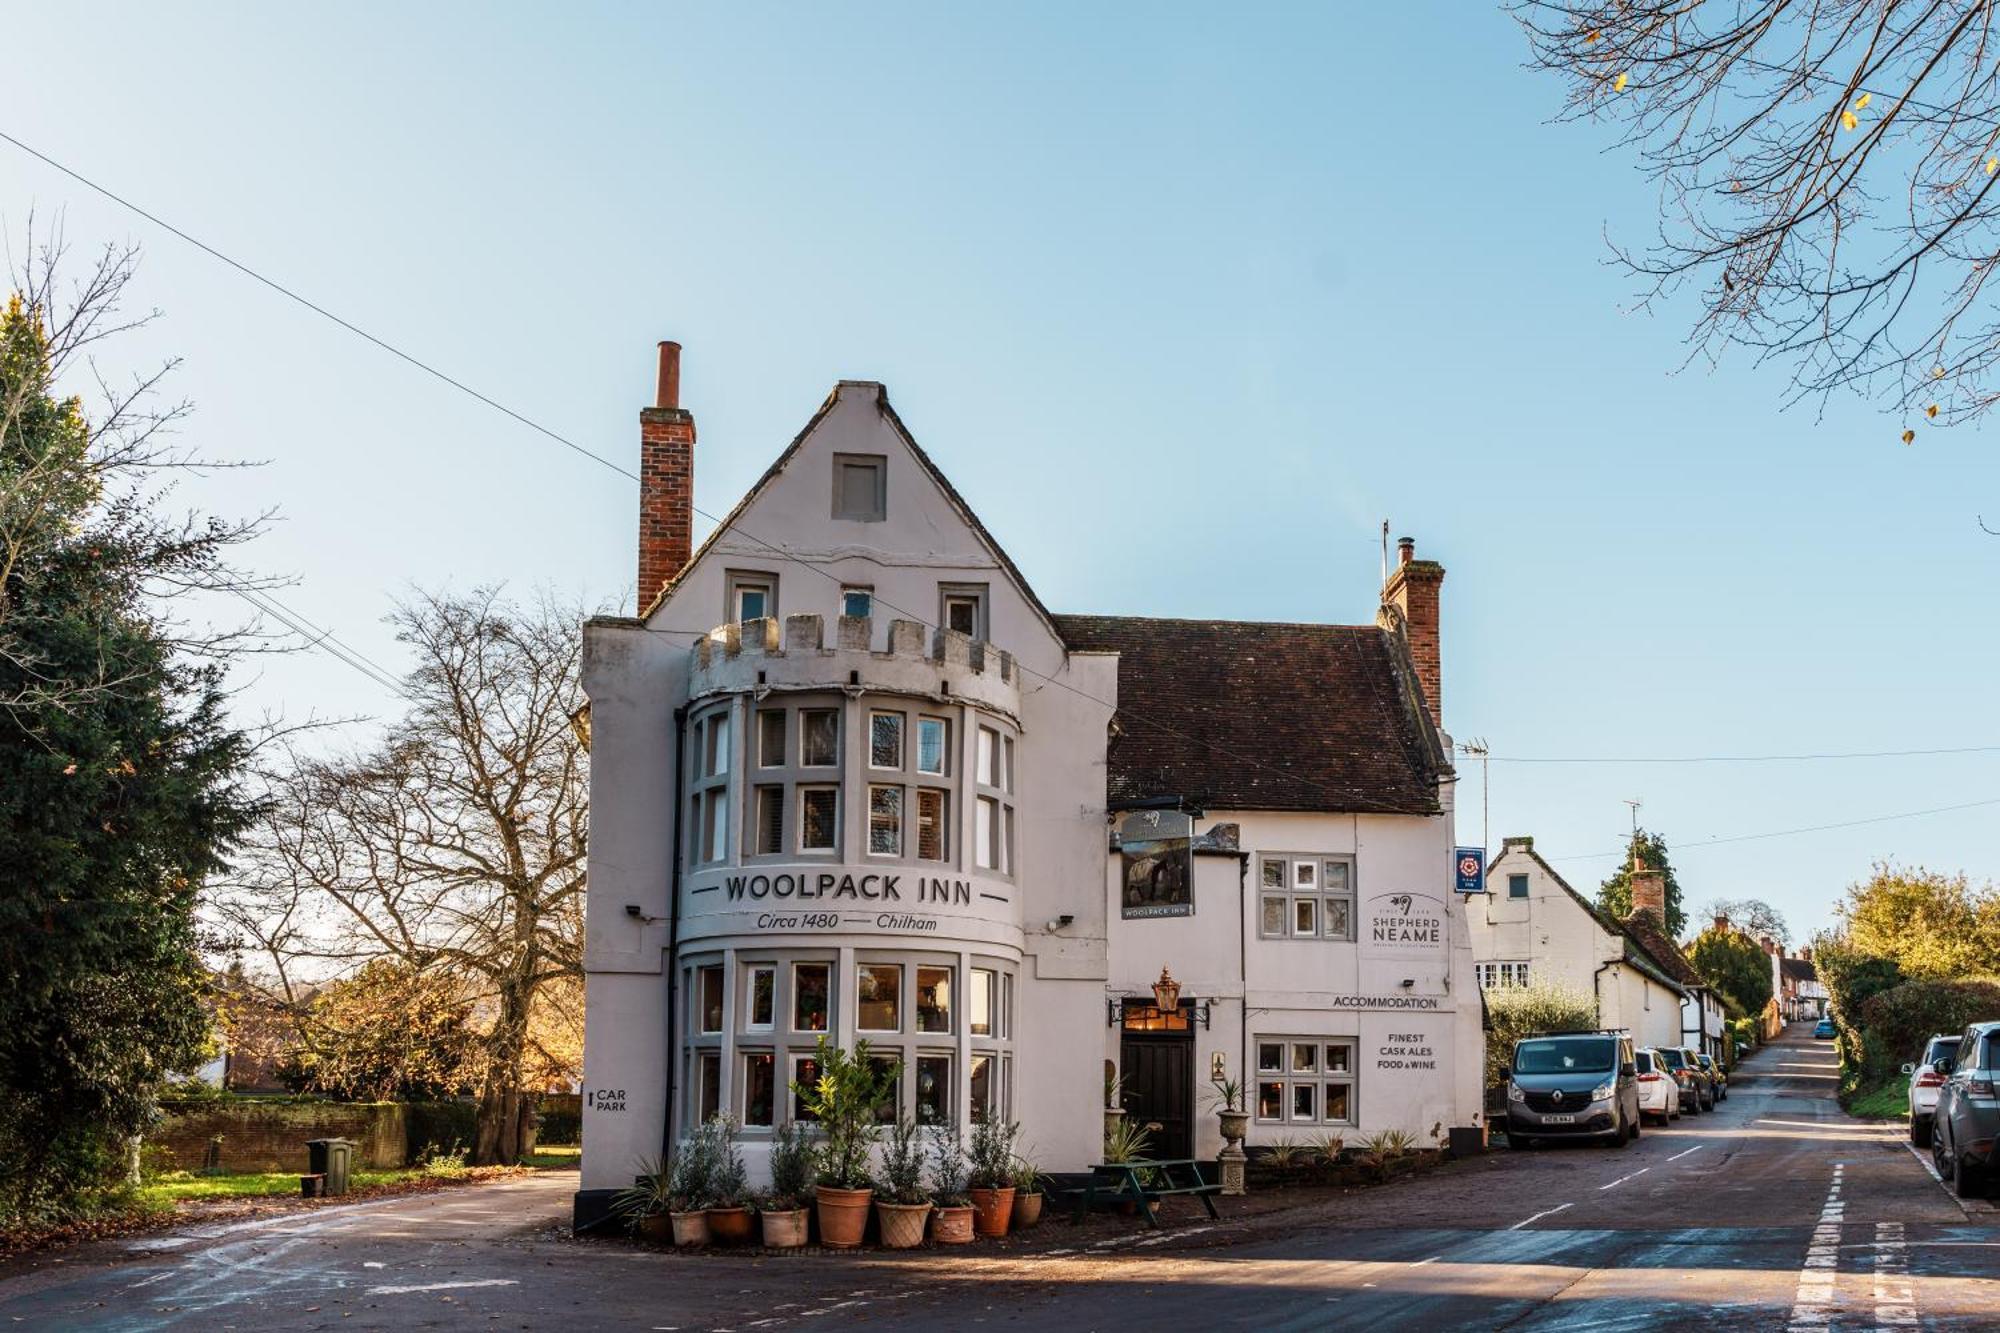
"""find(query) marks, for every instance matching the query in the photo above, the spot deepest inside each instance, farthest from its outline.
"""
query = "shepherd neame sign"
(1405, 923)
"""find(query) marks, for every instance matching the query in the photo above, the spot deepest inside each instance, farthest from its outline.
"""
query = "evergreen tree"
(118, 780)
(1615, 894)
(1735, 965)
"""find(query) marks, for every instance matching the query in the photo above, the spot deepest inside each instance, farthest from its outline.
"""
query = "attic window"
(861, 487)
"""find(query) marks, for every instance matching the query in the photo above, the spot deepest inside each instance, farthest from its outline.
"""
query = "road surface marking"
(1549, 1212)
(1895, 1298)
(1684, 1152)
(1810, 1306)
(443, 1286)
(1622, 1179)
(1926, 1162)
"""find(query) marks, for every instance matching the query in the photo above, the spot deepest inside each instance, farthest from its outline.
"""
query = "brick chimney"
(1721, 923)
(666, 482)
(1805, 954)
(1649, 893)
(1412, 590)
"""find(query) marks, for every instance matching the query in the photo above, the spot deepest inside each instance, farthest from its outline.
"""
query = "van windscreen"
(1582, 1055)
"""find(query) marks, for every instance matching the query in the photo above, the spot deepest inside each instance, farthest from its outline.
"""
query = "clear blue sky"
(1186, 303)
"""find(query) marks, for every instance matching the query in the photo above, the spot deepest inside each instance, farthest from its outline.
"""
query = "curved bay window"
(752, 1032)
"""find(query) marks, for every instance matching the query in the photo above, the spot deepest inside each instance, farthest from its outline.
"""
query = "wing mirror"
(1943, 1067)
(1909, 1069)
(1628, 1069)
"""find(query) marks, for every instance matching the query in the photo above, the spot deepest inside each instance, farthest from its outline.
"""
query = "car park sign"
(1469, 869)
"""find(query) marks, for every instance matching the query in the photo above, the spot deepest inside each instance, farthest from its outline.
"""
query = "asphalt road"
(1776, 1212)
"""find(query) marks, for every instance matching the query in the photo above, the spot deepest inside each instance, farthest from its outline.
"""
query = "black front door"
(1158, 1069)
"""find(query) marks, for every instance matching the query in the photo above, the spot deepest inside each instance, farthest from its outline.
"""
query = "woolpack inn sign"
(1403, 923)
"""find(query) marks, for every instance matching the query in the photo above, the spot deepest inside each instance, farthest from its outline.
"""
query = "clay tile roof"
(1798, 969)
(1241, 715)
(1652, 935)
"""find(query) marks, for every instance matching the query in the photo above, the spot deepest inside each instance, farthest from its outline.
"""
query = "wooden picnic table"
(1145, 1182)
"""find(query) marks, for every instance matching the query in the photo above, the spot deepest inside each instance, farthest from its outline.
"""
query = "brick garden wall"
(271, 1136)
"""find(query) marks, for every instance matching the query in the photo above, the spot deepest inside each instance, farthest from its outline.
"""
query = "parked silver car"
(1924, 1084)
(1573, 1085)
(1967, 1119)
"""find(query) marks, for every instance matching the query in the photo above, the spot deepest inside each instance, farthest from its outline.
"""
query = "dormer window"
(752, 596)
(861, 487)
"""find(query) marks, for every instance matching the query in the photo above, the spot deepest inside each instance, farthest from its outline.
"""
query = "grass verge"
(1891, 1101)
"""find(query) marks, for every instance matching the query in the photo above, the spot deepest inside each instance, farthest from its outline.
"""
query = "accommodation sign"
(1404, 923)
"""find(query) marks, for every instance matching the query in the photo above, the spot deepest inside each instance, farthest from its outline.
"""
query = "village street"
(1711, 1219)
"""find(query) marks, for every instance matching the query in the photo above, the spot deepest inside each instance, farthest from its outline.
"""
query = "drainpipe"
(673, 944)
(1243, 972)
(1597, 987)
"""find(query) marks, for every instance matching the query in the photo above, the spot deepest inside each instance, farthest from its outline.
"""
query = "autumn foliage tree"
(1828, 174)
(389, 1032)
(453, 847)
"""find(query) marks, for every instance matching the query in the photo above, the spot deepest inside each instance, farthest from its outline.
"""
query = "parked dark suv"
(1573, 1085)
(1697, 1093)
(1967, 1119)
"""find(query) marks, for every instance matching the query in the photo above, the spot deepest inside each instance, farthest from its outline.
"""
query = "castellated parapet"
(755, 655)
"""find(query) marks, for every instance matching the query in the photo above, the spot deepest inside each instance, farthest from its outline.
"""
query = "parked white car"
(1924, 1084)
(1659, 1095)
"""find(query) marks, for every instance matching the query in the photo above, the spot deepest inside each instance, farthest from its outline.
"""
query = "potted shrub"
(782, 1212)
(843, 1100)
(952, 1222)
(1234, 1120)
(1126, 1141)
(992, 1181)
(688, 1187)
(729, 1219)
(1027, 1194)
(644, 1203)
(902, 1205)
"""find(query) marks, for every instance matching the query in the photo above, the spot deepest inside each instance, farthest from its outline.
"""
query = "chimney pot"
(1411, 597)
(1406, 550)
(670, 375)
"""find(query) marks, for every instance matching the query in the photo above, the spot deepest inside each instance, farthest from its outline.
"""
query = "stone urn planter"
(1235, 1124)
(730, 1226)
(784, 1230)
(952, 1226)
(902, 1223)
(1112, 1116)
(1027, 1210)
(843, 1216)
(992, 1210)
(690, 1228)
(657, 1228)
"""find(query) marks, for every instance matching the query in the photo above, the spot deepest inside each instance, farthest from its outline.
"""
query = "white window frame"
(1288, 1077)
(803, 789)
(973, 594)
(804, 713)
(867, 596)
(740, 581)
(763, 791)
(750, 974)
(901, 723)
(943, 724)
(887, 788)
(1306, 896)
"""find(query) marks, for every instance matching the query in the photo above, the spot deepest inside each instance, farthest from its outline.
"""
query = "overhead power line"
(325, 640)
(1741, 758)
(1791, 832)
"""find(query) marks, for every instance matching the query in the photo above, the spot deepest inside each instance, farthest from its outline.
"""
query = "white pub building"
(850, 778)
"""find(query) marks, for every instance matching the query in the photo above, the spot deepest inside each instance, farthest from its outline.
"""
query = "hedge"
(444, 1126)
(1895, 1023)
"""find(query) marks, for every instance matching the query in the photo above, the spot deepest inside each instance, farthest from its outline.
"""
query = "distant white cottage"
(851, 779)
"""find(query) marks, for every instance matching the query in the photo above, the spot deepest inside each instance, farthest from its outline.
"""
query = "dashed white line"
(1685, 1151)
(1895, 1297)
(1622, 1179)
(1812, 1305)
(1547, 1212)
(443, 1286)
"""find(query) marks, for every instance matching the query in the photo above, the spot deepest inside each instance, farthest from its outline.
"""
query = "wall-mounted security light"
(1409, 982)
(632, 910)
(1058, 922)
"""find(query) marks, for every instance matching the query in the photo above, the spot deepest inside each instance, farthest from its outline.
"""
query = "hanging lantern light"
(1167, 992)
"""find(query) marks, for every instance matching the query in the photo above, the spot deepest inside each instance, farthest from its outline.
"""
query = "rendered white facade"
(882, 829)
(1564, 940)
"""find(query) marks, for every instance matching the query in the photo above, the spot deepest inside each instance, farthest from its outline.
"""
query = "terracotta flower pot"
(902, 1223)
(657, 1228)
(1027, 1210)
(690, 1228)
(843, 1216)
(785, 1230)
(952, 1226)
(730, 1226)
(992, 1210)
